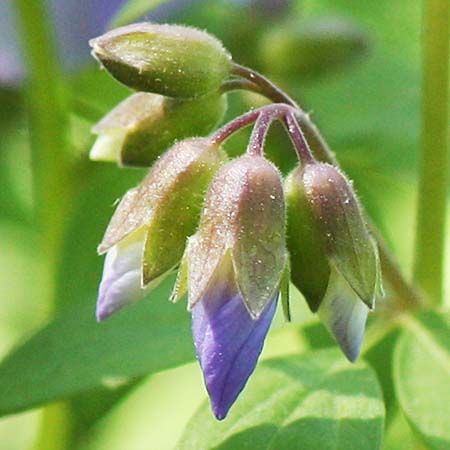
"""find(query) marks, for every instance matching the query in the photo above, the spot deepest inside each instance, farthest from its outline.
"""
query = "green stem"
(47, 123)
(50, 168)
(434, 165)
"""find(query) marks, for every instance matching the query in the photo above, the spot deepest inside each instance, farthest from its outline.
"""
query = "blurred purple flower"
(75, 21)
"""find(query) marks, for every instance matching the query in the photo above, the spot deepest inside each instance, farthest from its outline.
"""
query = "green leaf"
(422, 375)
(74, 354)
(133, 10)
(315, 401)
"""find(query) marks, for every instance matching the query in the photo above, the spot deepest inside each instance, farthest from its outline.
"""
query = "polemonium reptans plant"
(237, 261)
(248, 298)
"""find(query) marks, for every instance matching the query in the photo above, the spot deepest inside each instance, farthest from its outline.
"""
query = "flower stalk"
(50, 165)
(434, 170)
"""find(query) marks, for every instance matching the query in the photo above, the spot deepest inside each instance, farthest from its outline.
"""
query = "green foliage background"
(132, 382)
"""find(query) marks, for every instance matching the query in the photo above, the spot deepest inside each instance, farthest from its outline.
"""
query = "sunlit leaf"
(74, 353)
(422, 377)
(314, 401)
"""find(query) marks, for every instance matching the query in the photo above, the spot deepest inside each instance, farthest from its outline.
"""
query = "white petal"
(344, 314)
(108, 145)
(122, 273)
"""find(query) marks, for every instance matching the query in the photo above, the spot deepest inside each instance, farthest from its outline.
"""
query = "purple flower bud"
(234, 265)
(147, 234)
(227, 339)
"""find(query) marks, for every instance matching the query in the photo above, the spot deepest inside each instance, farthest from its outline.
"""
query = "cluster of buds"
(234, 230)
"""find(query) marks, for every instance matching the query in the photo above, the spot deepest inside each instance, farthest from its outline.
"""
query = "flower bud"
(311, 47)
(171, 60)
(243, 217)
(234, 267)
(334, 260)
(138, 130)
(165, 207)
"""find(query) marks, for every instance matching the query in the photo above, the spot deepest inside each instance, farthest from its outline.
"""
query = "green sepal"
(171, 60)
(180, 288)
(309, 266)
(138, 130)
(259, 236)
(338, 217)
(185, 170)
(176, 213)
(243, 221)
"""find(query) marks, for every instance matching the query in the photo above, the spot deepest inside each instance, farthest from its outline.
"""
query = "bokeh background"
(361, 82)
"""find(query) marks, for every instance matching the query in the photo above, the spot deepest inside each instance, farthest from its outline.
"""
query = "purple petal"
(122, 273)
(228, 343)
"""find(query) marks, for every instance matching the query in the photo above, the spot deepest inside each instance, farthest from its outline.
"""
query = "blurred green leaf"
(422, 376)
(73, 353)
(314, 401)
(132, 10)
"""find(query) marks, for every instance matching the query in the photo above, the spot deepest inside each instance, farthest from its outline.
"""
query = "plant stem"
(406, 296)
(50, 168)
(298, 139)
(259, 133)
(265, 86)
(273, 111)
(434, 165)
(47, 123)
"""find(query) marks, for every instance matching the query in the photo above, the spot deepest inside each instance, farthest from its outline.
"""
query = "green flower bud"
(325, 217)
(311, 47)
(166, 204)
(171, 60)
(334, 260)
(310, 270)
(138, 130)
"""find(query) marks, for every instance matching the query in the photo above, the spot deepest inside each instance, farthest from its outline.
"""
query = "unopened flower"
(334, 260)
(172, 60)
(233, 267)
(138, 130)
(147, 234)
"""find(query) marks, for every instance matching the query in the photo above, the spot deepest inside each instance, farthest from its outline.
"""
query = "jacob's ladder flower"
(233, 267)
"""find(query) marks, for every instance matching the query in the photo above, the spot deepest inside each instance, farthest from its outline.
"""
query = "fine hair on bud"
(171, 60)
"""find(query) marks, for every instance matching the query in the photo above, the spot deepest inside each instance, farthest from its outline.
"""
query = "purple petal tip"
(228, 343)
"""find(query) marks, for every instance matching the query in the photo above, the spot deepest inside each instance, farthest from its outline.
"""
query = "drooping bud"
(346, 238)
(171, 60)
(138, 130)
(165, 206)
(334, 260)
(234, 266)
(243, 216)
(319, 45)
